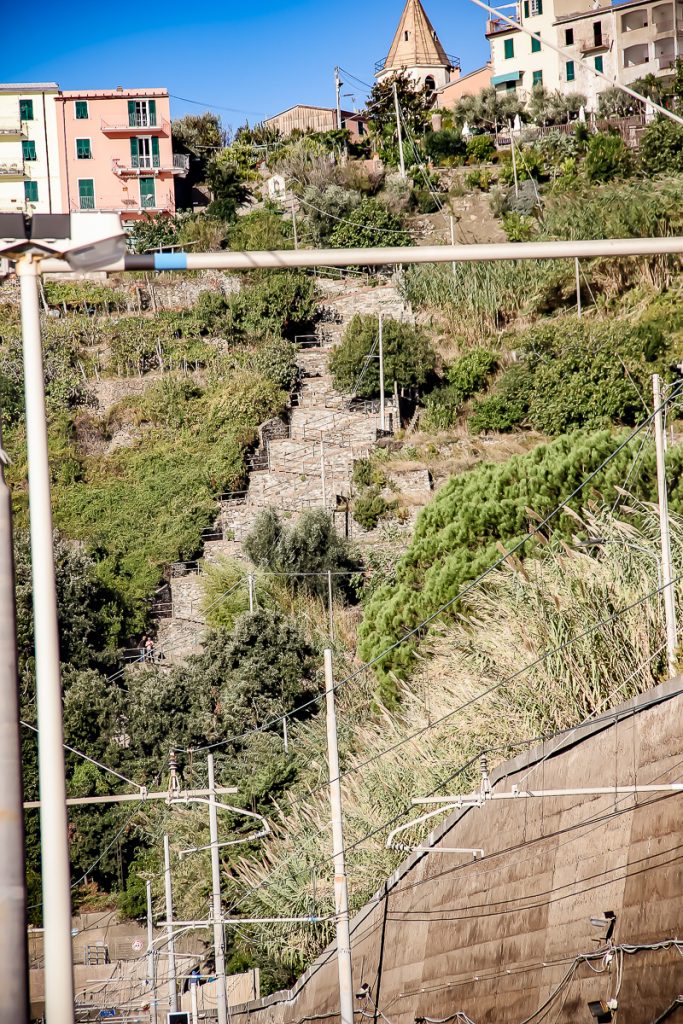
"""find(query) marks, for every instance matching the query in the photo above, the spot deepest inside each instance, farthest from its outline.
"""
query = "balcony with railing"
(597, 45)
(11, 130)
(138, 124)
(13, 171)
(380, 64)
(151, 164)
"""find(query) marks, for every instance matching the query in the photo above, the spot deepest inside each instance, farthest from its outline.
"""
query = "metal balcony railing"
(14, 130)
(11, 171)
(179, 164)
(593, 45)
(137, 124)
(86, 202)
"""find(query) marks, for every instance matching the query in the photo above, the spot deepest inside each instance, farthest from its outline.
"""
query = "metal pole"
(54, 844)
(151, 961)
(337, 87)
(221, 999)
(381, 373)
(514, 159)
(322, 470)
(330, 605)
(250, 581)
(296, 234)
(13, 960)
(172, 986)
(401, 157)
(669, 595)
(285, 735)
(577, 268)
(452, 218)
(195, 1010)
(341, 896)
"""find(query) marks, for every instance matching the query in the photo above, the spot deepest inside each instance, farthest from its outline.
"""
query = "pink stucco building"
(116, 153)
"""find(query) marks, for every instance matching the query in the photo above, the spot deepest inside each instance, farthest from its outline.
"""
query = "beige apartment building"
(625, 41)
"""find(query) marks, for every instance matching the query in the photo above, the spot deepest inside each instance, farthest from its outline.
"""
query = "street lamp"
(87, 242)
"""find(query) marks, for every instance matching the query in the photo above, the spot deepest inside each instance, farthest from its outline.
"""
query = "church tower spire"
(417, 49)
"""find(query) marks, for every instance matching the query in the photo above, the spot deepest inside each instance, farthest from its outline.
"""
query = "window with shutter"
(131, 113)
(155, 151)
(569, 67)
(83, 149)
(535, 45)
(152, 106)
(147, 197)
(31, 191)
(509, 48)
(26, 110)
(599, 65)
(28, 149)
(86, 193)
(81, 110)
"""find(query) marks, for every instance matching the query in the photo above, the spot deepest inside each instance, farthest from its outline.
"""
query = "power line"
(217, 106)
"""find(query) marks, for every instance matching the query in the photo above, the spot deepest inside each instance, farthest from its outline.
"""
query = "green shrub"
(661, 147)
(261, 229)
(425, 201)
(367, 473)
(409, 358)
(607, 157)
(470, 373)
(324, 207)
(518, 228)
(478, 178)
(443, 145)
(275, 359)
(370, 224)
(458, 534)
(283, 302)
(370, 507)
(480, 148)
(441, 409)
(84, 295)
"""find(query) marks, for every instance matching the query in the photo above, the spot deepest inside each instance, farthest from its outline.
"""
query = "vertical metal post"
(54, 844)
(452, 219)
(337, 89)
(401, 157)
(669, 593)
(170, 945)
(296, 233)
(219, 952)
(285, 735)
(322, 470)
(330, 605)
(151, 962)
(195, 1010)
(577, 268)
(13, 958)
(250, 582)
(514, 158)
(382, 422)
(341, 896)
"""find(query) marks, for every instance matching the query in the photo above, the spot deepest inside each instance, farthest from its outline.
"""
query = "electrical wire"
(92, 760)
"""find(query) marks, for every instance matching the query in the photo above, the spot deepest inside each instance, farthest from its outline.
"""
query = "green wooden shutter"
(153, 113)
(31, 191)
(570, 70)
(147, 199)
(28, 149)
(535, 45)
(134, 152)
(26, 110)
(526, 8)
(599, 66)
(509, 48)
(131, 113)
(86, 193)
(155, 151)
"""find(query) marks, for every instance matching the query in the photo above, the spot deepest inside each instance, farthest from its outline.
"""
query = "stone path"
(307, 460)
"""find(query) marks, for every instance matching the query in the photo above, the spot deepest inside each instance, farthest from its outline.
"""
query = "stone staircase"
(304, 463)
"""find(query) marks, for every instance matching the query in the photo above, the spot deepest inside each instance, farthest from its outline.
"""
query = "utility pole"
(151, 962)
(337, 86)
(341, 895)
(13, 959)
(669, 592)
(402, 162)
(250, 581)
(577, 268)
(218, 939)
(296, 234)
(514, 159)
(382, 423)
(54, 844)
(172, 985)
(195, 1010)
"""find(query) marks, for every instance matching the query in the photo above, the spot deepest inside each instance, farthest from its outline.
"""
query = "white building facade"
(624, 41)
(30, 175)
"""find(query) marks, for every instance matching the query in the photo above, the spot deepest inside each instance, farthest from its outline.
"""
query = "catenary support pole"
(382, 425)
(399, 132)
(56, 871)
(151, 961)
(195, 1009)
(341, 896)
(168, 891)
(218, 939)
(13, 959)
(577, 269)
(337, 90)
(294, 227)
(669, 593)
(250, 582)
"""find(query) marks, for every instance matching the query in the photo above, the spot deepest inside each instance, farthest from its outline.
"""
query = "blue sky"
(256, 58)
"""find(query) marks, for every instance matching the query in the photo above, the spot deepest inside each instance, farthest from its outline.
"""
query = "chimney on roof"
(119, 88)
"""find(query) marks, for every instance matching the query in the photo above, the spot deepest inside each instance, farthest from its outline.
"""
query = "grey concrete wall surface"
(502, 939)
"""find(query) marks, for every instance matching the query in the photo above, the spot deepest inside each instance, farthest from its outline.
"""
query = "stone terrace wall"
(493, 938)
